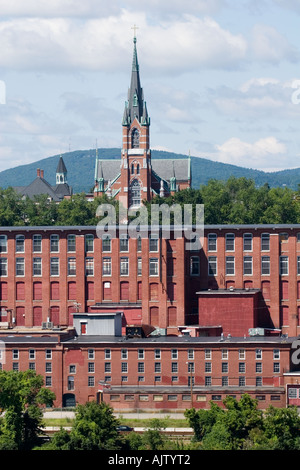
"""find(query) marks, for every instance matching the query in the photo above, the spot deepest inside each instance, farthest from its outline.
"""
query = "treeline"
(239, 425)
(18, 211)
(242, 426)
(239, 201)
(235, 201)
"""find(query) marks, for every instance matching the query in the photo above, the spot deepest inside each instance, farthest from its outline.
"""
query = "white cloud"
(56, 8)
(263, 98)
(96, 8)
(265, 153)
(57, 44)
(269, 45)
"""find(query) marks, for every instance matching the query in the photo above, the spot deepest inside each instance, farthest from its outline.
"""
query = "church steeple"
(135, 107)
(61, 172)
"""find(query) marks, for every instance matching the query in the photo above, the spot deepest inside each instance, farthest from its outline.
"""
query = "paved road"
(137, 415)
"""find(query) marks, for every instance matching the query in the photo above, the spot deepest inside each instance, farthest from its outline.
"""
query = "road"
(143, 415)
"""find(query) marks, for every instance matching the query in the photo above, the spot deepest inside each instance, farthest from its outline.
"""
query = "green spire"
(135, 106)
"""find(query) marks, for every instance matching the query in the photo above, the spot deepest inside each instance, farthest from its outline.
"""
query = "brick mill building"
(146, 322)
(224, 318)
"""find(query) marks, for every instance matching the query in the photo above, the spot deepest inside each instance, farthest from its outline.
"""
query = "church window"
(135, 193)
(135, 139)
(138, 169)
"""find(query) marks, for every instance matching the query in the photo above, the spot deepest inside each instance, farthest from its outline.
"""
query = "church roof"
(164, 168)
(62, 190)
(108, 169)
(38, 186)
(167, 168)
(61, 167)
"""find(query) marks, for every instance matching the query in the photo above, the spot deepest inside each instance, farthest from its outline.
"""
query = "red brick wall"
(236, 313)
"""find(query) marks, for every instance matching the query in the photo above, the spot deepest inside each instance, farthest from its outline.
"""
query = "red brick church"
(136, 177)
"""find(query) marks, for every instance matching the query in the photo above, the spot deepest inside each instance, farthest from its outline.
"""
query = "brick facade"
(50, 273)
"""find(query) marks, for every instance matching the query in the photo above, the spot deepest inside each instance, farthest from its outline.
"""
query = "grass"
(134, 423)
(165, 422)
(57, 422)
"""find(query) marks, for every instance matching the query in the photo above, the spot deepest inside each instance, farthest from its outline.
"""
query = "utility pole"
(190, 367)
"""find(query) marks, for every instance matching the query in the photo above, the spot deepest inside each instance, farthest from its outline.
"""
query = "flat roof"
(147, 227)
(155, 340)
(97, 314)
(28, 339)
(176, 340)
(228, 291)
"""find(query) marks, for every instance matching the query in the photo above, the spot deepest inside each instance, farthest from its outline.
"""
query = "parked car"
(124, 428)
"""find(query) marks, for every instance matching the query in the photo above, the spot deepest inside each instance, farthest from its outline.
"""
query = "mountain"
(81, 165)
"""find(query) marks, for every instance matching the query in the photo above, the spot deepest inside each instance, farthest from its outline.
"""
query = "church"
(40, 185)
(136, 177)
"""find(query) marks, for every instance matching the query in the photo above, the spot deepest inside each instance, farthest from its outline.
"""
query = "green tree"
(282, 428)
(40, 211)
(11, 208)
(94, 429)
(230, 425)
(219, 438)
(202, 421)
(21, 397)
(153, 438)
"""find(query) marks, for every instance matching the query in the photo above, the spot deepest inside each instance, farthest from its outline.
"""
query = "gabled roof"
(40, 186)
(37, 187)
(166, 168)
(108, 169)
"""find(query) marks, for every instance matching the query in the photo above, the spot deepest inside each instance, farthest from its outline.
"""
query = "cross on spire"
(134, 27)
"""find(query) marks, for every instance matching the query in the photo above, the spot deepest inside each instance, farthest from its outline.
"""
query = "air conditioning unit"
(44, 325)
(49, 325)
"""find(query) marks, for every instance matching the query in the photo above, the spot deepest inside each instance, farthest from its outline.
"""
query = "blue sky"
(220, 77)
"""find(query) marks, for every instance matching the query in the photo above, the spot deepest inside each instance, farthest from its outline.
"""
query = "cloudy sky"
(221, 77)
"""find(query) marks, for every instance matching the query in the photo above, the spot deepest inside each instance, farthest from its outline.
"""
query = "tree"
(153, 439)
(40, 211)
(282, 428)
(230, 426)
(202, 421)
(11, 208)
(219, 438)
(21, 397)
(94, 429)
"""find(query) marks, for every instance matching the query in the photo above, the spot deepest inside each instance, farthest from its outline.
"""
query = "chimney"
(42, 173)
(38, 171)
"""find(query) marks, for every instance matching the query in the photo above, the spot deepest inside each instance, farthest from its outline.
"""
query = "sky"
(221, 78)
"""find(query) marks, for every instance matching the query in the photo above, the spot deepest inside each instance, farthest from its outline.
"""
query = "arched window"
(135, 193)
(135, 139)
(132, 168)
(138, 169)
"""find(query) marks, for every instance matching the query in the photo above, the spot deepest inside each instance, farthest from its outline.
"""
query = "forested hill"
(81, 166)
